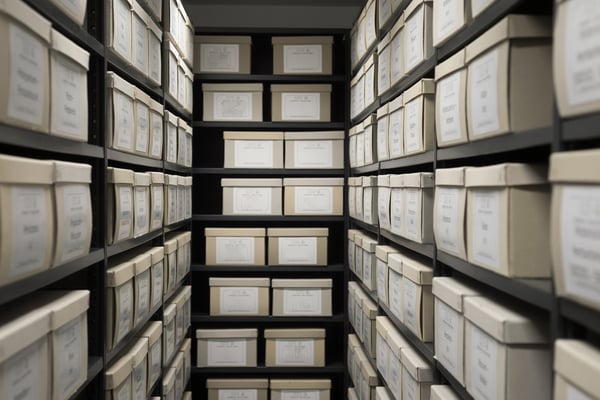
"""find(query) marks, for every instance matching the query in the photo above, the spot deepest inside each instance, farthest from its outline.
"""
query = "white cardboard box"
(253, 149)
(142, 287)
(222, 54)
(153, 332)
(357, 93)
(295, 347)
(157, 202)
(419, 117)
(171, 124)
(352, 133)
(451, 101)
(395, 285)
(155, 148)
(382, 358)
(141, 200)
(370, 22)
(155, 52)
(186, 351)
(119, 28)
(139, 38)
(314, 150)
(317, 389)
(397, 343)
(239, 296)
(396, 127)
(302, 55)
(384, 12)
(384, 65)
(383, 133)
(120, 204)
(381, 393)
(171, 56)
(369, 336)
(442, 392)
(157, 275)
(370, 202)
(351, 261)
(576, 368)
(169, 333)
(368, 380)
(142, 122)
(232, 102)
(301, 102)
(418, 207)
(370, 139)
(72, 9)
(138, 354)
(369, 263)
(170, 278)
(370, 78)
(397, 56)
(313, 196)
(180, 198)
(183, 252)
(383, 201)
(302, 297)
(360, 145)
(121, 115)
(218, 389)
(417, 375)
(449, 18)
(251, 196)
(418, 33)
(171, 200)
(353, 183)
(449, 211)
(118, 379)
(382, 253)
(418, 300)
(120, 301)
(297, 246)
(235, 246)
(188, 186)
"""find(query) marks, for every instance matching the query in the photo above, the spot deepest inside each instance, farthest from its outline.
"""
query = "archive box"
(235, 246)
(449, 211)
(449, 18)
(253, 149)
(138, 354)
(370, 139)
(302, 297)
(353, 183)
(139, 38)
(178, 366)
(295, 347)
(351, 261)
(141, 286)
(155, 35)
(153, 332)
(141, 201)
(74, 10)
(298, 246)
(222, 54)
(170, 187)
(381, 393)
(239, 296)
(180, 198)
(120, 301)
(576, 368)
(384, 13)
(171, 124)
(357, 93)
(396, 343)
(382, 358)
(168, 384)
(302, 55)
(157, 200)
(352, 136)
(317, 389)
(313, 196)
(370, 203)
(383, 133)
(418, 207)
(368, 380)
(120, 114)
(395, 285)
(118, 379)
(369, 336)
(360, 145)
(237, 388)
(301, 102)
(382, 253)
(418, 33)
(396, 127)
(232, 101)
(383, 201)
(314, 150)
(419, 117)
(442, 392)
(186, 351)
(251, 196)
(370, 80)
(369, 263)
(384, 71)
(397, 71)
(170, 278)
(418, 300)
(172, 60)
(169, 333)
(156, 111)
(417, 375)
(119, 26)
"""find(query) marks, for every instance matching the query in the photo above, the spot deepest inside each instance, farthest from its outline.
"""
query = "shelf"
(267, 218)
(128, 72)
(178, 169)
(583, 128)
(133, 159)
(203, 318)
(252, 125)
(423, 249)
(335, 368)
(132, 243)
(267, 268)
(14, 136)
(174, 106)
(409, 80)
(177, 225)
(268, 78)
(374, 229)
(537, 292)
(30, 284)
(580, 314)
(94, 367)
(371, 109)
(500, 144)
(409, 161)
(367, 169)
(393, 18)
(267, 171)
(456, 386)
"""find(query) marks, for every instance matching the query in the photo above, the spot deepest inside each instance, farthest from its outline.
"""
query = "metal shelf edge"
(129, 244)
(423, 249)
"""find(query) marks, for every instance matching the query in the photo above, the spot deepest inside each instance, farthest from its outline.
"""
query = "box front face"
(70, 356)
(383, 70)
(301, 106)
(382, 281)
(413, 214)
(251, 200)
(412, 306)
(297, 250)
(234, 250)
(232, 106)
(124, 306)
(414, 39)
(449, 220)
(397, 57)
(142, 296)
(227, 352)
(74, 222)
(295, 352)
(253, 154)
(396, 293)
(448, 18)
(219, 58)
(154, 362)
(383, 209)
(239, 301)
(69, 115)
(121, 26)
(123, 122)
(451, 104)
(139, 48)
(301, 59)
(27, 373)
(397, 211)
(395, 376)
(396, 134)
(314, 154)
(314, 200)
(413, 126)
(142, 210)
(449, 339)
(369, 270)
(302, 302)
(370, 205)
(157, 204)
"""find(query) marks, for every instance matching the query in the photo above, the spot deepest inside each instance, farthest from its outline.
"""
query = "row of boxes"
(141, 202)
(179, 136)
(250, 296)
(308, 150)
(46, 214)
(292, 55)
(363, 35)
(360, 370)
(286, 246)
(177, 376)
(362, 311)
(179, 77)
(243, 102)
(283, 347)
(281, 389)
(46, 89)
(44, 345)
(302, 196)
(179, 30)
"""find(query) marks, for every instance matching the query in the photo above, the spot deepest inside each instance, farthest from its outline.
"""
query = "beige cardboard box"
(139, 38)
(449, 295)
(239, 296)
(153, 332)
(121, 115)
(168, 384)
(235, 246)
(397, 205)
(157, 274)
(382, 253)
(298, 246)
(170, 277)
(576, 368)
(358, 254)
(302, 55)
(353, 183)
(360, 145)
(359, 357)
(314, 150)
(353, 346)
(418, 34)
(69, 65)
(442, 392)
(418, 300)
(383, 202)
(179, 300)
(226, 347)
(183, 254)
(449, 18)
(419, 117)
(169, 333)
(186, 351)
(382, 358)
(370, 202)
(139, 368)
(25, 67)
(188, 185)
(384, 12)
(74, 10)
(352, 394)
(397, 56)
(381, 393)
(502, 345)
(187, 395)
(384, 71)
(507, 219)
(73, 210)
(357, 40)
(317, 389)
(222, 54)
(368, 380)
(171, 55)
(155, 52)
(251, 196)
(369, 336)
(479, 6)
(178, 365)
(118, 379)
(230, 389)
(181, 82)
(301, 102)
(352, 288)
(170, 187)
(352, 133)
(395, 285)
(295, 347)
(142, 286)
(120, 301)
(369, 263)
(396, 127)
(253, 149)
(187, 307)
(449, 211)
(451, 101)
(189, 146)
(509, 84)
(180, 198)
(314, 196)
(142, 122)
(370, 77)
(357, 93)
(141, 200)
(189, 90)
(232, 101)
(157, 203)
(370, 139)
(397, 344)
(171, 136)
(417, 376)
(172, 20)
(383, 133)
(156, 112)
(370, 23)
(418, 207)
(119, 28)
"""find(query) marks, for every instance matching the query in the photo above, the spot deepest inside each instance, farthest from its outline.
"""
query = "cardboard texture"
(301, 102)
(235, 246)
(232, 102)
(252, 196)
(226, 347)
(304, 55)
(222, 54)
(449, 211)
(253, 149)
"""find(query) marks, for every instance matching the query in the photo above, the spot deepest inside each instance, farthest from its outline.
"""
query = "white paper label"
(485, 113)
(238, 394)
(412, 124)
(249, 200)
(451, 112)
(143, 295)
(447, 339)
(382, 281)
(157, 206)
(238, 300)
(76, 225)
(486, 227)
(171, 143)
(395, 375)
(253, 153)
(69, 84)
(122, 28)
(140, 50)
(579, 239)
(410, 389)
(141, 210)
(478, 6)
(124, 391)
(125, 300)
(143, 116)
(300, 106)
(29, 229)
(575, 394)
(289, 394)
(383, 70)
(294, 352)
(414, 41)
(484, 356)
(397, 62)
(157, 282)
(125, 219)
(360, 149)
(154, 57)
(368, 135)
(234, 250)
(298, 301)
(313, 154)
(383, 200)
(232, 106)
(313, 200)
(123, 121)
(382, 139)
(397, 211)
(69, 338)
(413, 214)
(302, 59)
(450, 17)
(226, 352)
(219, 57)
(22, 374)
(28, 59)
(395, 293)
(368, 205)
(298, 250)
(447, 214)
(411, 305)
(396, 134)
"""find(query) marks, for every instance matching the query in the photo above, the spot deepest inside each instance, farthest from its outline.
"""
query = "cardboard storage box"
(232, 102)
(370, 202)
(370, 139)
(502, 345)
(351, 256)
(442, 392)
(120, 116)
(118, 379)
(382, 253)
(576, 368)
(219, 389)
(302, 297)
(157, 202)
(384, 65)
(153, 332)
(222, 54)
(382, 358)
(418, 207)
(139, 38)
(451, 101)
(302, 55)
(357, 40)
(370, 71)
(383, 133)
(235, 246)
(141, 200)
(239, 296)
(178, 365)
(353, 183)
(138, 354)
(183, 254)
(251, 196)
(25, 67)
(156, 111)
(507, 219)
(155, 34)
(449, 339)
(418, 34)
(360, 145)
(397, 56)
(157, 274)
(368, 380)
(169, 333)
(188, 185)
(301, 102)
(142, 286)
(370, 22)
(180, 198)
(74, 10)
(381, 393)
(69, 66)
(501, 100)
(314, 150)
(418, 375)
(418, 300)
(419, 117)
(353, 346)
(317, 389)
(182, 142)
(574, 227)
(188, 136)
(449, 18)
(120, 301)
(357, 94)
(168, 384)
(369, 263)
(314, 196)
(396, 343)
(253, 149)
(298, 246)
(172, 58)
(186, 351)
(352, 133)
(170, 187)
(171, 123)
(119, 28)
(449, 211)
(369, 310)
(295, 347)
(395, 285)
(226, 347)
(383, 201)
(396, 128)
(170, 277)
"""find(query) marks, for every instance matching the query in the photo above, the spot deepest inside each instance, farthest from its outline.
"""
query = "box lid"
(368, 372)
(303, 88)
(383, 180)
(442, 392)
(233, 135)
(28, 17)
(383, 325)
(254, 232)
(369, 244)
(352, 394)
(416, 365)
(417, 271)
(142, 262)
(313, 181)
(30, 171)
(353, 340)
(315, 135)
(383, 251)
(119, 273)
(237, 383)
(419, 180)
(116, 82)
(68, 48)
(154, 29)
(171, 179)
(152, 331)
(369, 307)
(171, 118)
(168, 380)
(232, 87)
(226, 333)
(68, 172)
(368, 121)
(383, 111)
(157, 178)
(138, 351)
(184, 238)
(369, 181)
(452, 291)
(302, 40)
(355, 130)
(251, 182)
(384, 42)
(119, 176)
(313, 384)
(117, 372)
(186, 292)
(239, 282)
(156, 107)
(222, 39)
(294, 333)
(188, 181)
(423, 87)
(169, 313)
(396, 104)
(181, 180)
(63, 305)
(396, 342)
(354, 181)
(157, 254)
(398, 25)
(20, 326)
(320, 232)
(170, 246)
(141, 179)
(413, 6)
(450, 177)
(452, 64)
(352, 233)
(186, 346)
(141, 96)
(579, 166)
(504, 322)
(513, 26)
(579, 363)
(507, 174)
(397, 181)
(395, 262)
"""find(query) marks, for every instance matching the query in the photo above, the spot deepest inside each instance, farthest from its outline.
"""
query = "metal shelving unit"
(266, 218)
(268, 268)
(267, 171)
(317, 126)
(269, 78)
